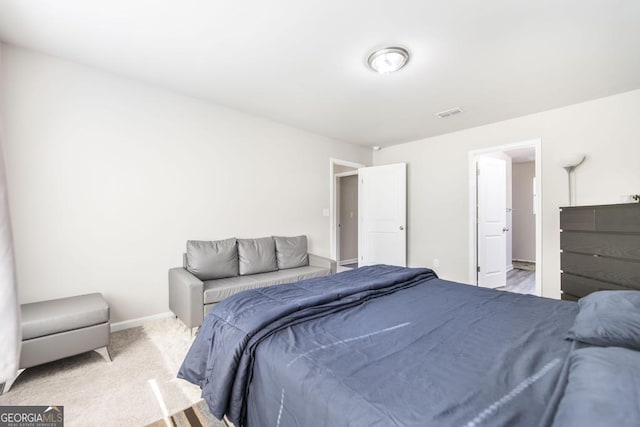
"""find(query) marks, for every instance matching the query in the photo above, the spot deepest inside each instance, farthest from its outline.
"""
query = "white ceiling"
(522, 155)
(303, 62)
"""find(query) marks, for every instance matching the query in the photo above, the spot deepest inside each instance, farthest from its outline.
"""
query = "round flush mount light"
(388, 59)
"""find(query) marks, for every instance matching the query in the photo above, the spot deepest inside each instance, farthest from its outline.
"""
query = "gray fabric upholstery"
(191, 298)
(217, 290)
(290, 275)
(61, 315)
(318, 261)
(186, 296)
(291, 252)
(257, 255)
(61, 328)
(48, 348)
(209, 260)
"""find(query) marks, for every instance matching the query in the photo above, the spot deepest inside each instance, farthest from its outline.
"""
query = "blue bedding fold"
(220, 359)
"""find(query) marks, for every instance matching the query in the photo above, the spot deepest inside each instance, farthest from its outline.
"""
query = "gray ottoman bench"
(60, 328)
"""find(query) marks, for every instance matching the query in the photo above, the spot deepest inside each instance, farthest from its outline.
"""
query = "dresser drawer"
(580, 219)
(581, 286)
(624, 218)
(600, 249)
(626, 246)
(615, 271)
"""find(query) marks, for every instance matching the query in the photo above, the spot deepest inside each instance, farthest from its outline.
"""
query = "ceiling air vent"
(449, 112)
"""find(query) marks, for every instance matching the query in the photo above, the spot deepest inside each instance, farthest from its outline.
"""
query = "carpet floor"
(139, 387)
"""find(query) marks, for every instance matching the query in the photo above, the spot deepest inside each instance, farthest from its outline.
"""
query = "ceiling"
(522, 155)
(303, 63)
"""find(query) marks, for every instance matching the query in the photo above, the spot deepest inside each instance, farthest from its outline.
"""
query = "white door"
(383, 215)
(492, 220)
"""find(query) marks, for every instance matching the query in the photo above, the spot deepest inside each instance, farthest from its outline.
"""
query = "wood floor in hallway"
(520, 282)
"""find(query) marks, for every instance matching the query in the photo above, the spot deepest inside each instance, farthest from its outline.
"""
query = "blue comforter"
(380, 345)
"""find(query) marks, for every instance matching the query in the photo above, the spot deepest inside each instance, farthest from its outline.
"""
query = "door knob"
(402, 227)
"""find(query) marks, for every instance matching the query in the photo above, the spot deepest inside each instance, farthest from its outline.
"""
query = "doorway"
(339, 169)
(347, 219)
(505, 224)
(380, 217)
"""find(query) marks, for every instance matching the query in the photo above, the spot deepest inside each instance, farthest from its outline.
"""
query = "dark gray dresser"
(600, 249)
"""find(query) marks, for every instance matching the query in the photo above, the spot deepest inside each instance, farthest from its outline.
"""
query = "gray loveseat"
(214, 270)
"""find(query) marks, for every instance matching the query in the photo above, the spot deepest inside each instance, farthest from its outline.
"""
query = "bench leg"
(104, 352)
(4, 387)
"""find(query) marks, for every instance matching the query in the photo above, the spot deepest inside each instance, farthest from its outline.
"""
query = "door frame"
(536, 144)
(333, 202)
(338, 187)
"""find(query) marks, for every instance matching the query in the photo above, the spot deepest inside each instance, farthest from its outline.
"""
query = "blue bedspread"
(380, 345)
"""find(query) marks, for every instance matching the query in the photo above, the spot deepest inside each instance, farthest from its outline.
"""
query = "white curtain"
(10, 333)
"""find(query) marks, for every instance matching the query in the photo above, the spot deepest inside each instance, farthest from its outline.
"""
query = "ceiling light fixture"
(388, 59)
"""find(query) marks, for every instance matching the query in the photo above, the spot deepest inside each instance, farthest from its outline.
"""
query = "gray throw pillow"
(609, 318)
(212, 260)
(291, 252)
(257, 255)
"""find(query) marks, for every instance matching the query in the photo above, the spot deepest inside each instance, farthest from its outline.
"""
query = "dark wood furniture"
(600, 249)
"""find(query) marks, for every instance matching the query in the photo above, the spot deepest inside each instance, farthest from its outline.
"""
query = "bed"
(392, 346)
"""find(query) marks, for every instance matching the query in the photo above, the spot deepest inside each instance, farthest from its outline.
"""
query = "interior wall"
(349, 218)
(607, 130)
(524, 221)
(108, 178)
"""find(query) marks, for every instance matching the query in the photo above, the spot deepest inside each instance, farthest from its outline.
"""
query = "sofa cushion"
(291, 275)
(217, 290)
(61, 315)
(212, 260)
(291, 252)
(257, 255)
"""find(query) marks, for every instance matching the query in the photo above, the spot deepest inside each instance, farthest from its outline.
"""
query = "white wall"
(108, 178)
(607, 130)
(524, 221)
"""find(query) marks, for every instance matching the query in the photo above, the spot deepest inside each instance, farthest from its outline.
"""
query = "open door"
(492, 220)
(383, 215)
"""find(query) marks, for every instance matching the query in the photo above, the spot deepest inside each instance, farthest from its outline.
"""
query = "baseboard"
(509, 267)
(127, 324)
(524, 260)
(348, 261)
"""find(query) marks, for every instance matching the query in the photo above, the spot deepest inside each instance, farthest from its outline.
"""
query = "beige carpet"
(121, 393)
